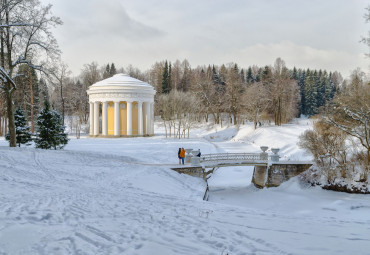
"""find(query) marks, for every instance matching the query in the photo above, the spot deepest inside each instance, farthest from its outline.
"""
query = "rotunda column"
(91, 118)
(104, 118)
(152, 118)
(116, 118)
(129, 118)
(140, 117)
(96, 118)
(147, 118)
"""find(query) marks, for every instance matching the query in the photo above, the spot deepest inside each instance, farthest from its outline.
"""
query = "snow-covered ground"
(118, 196)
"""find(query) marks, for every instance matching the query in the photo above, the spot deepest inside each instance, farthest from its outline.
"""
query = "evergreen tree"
(170, 76)
(106, 73)
(50, 129)
(258, 77)
(295, 75)
(112, 70)
(250, 77)
(222, 73)
(22, 131)
(215, 77)
(321, 88)
(266, 75)
(165, 79)
(311, 93)
(242, 76)
(301, 84)
(331, 88)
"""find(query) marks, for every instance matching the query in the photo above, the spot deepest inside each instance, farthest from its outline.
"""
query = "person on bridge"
(198, 155)
(182, 155)
(178, 155)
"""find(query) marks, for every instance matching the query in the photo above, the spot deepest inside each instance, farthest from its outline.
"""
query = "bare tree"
(205, 91)
(178, 111)
(24, 33)
(59, 76)
(256, 102)
(350, 112)
(284, 94)
(328, 146)
(234, 90)
(90, 75)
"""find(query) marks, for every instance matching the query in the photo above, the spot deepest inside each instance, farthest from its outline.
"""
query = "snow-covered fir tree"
(50, 133)
(22, 130)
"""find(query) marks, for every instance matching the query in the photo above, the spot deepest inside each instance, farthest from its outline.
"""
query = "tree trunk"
(61, 95)
(32, 106)
(5, 126)
(11, 124)
(278, 112)
(235, 119)
(1, 122)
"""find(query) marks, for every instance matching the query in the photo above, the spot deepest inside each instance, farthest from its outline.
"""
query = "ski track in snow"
(86, 202)
(71, 221)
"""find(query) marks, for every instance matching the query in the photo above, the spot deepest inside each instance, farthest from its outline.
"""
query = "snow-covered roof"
(121, 87)
(121, 80)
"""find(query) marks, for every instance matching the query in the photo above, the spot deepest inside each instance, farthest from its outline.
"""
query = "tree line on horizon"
(259, 94)
(225, 93)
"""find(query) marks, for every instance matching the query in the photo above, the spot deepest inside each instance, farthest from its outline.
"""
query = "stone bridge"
(268, 170)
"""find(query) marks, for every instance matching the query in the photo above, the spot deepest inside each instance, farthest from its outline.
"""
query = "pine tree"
(250, 77)
(318, 86)
(170, 76)
(106, 73)
(22, 131)
(266, 75)
(50, 129)
(165, 79)
(295, 74)
(215, 77)
(301, 84)
(311, 93)
(112, 70)
(242, 76)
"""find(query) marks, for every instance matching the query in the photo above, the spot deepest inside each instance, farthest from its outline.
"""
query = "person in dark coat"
(198, 155)
(178, 155)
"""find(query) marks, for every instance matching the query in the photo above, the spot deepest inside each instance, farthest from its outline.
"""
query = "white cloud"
(305, 34)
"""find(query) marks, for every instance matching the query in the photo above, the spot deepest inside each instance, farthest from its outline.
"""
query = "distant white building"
(121, 106)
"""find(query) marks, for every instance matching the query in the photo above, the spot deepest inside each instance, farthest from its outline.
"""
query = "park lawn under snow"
(119, 196)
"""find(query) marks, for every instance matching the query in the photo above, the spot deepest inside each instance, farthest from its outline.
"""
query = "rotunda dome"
(121, 80)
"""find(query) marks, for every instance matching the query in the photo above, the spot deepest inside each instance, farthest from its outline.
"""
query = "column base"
(118, 136)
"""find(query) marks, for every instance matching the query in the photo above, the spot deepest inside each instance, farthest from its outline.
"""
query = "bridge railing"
(220, 157)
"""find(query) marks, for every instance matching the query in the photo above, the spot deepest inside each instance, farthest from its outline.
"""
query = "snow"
(119, 196)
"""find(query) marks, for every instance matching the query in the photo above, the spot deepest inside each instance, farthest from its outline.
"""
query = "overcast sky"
(307, 34)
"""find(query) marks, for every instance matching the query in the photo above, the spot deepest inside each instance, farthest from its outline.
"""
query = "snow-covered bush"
(328, 146)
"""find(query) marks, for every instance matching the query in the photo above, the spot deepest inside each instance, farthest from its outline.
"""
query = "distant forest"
(259, 94)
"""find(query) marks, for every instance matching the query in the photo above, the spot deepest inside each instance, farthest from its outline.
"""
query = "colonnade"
(121, 118)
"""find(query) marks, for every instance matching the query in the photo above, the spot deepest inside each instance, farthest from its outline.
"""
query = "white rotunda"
(121, 106)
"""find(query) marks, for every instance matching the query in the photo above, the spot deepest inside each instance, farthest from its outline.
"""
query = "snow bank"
(118, 196)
